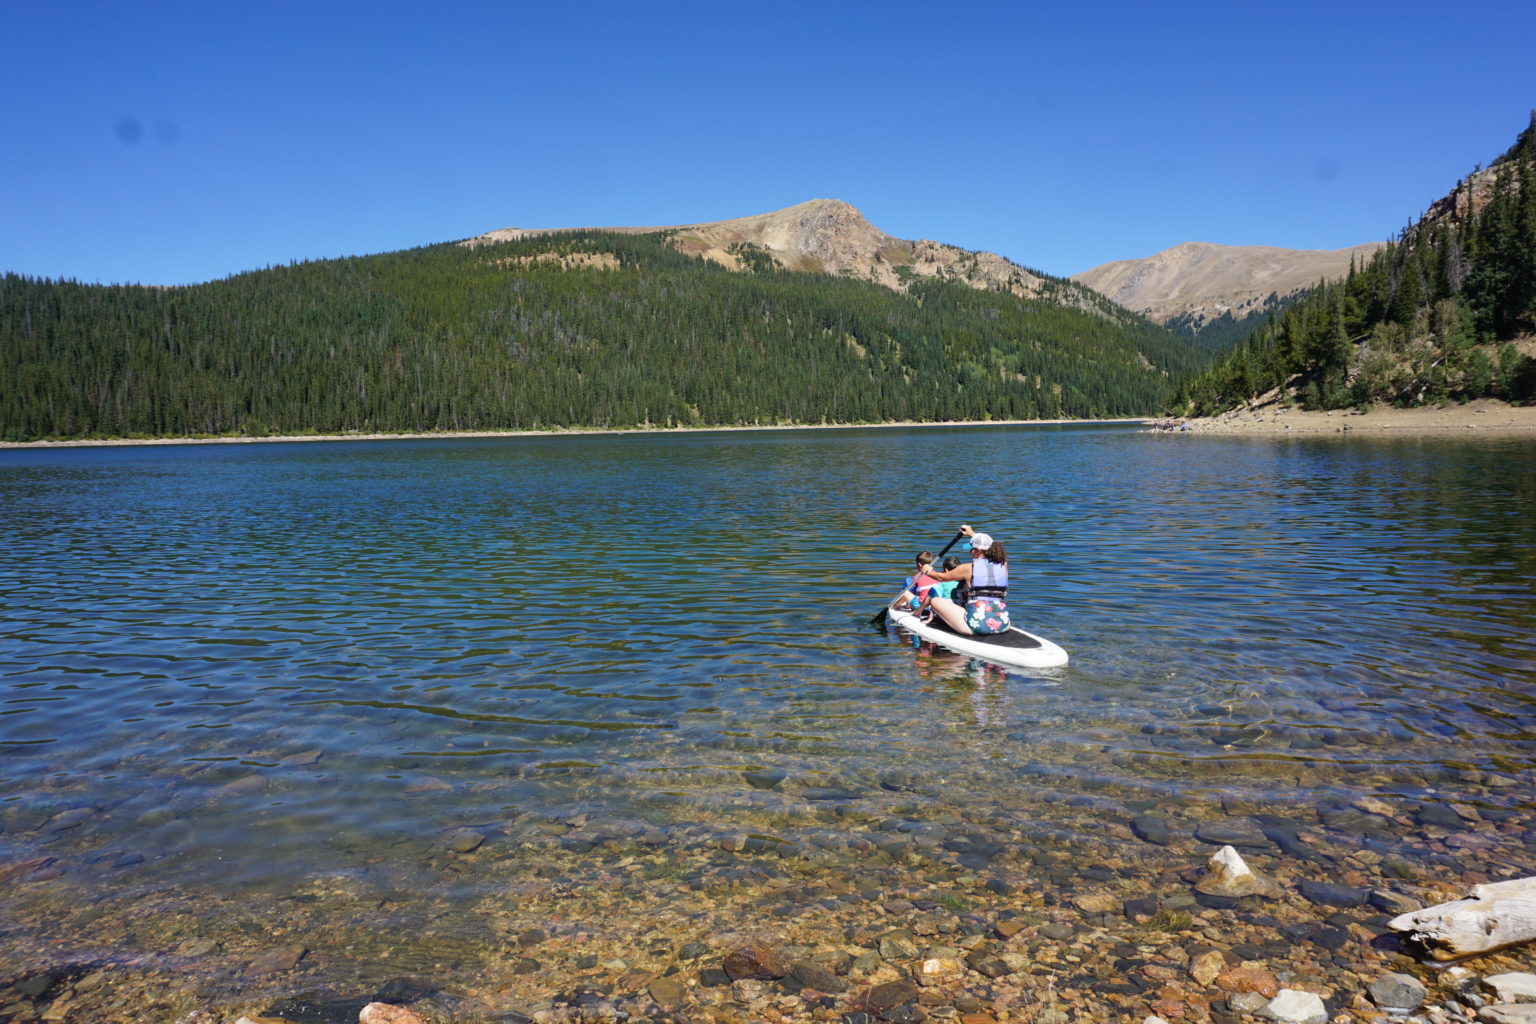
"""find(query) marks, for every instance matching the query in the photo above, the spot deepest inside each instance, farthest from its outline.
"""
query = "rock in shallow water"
(1255, 980)
(1243, 832)
(1097, 903)
(892, 993)
(1389, 902)
(1508, 1013)
(284, 958)
(1330, 895)
(1401, 992)
(938, 970)
(1150, 828)
(897, 945)
(767, 778)
(384, 1013)
(1515, 987)
(669, 993)
(815, 976)
(1228, 875)
(1206, 967)
(1246, 1002)
(464, 840)
(1438, 815)
(754, 962)
(1293, 1006)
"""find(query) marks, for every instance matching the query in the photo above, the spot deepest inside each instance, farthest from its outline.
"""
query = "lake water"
(269, 693)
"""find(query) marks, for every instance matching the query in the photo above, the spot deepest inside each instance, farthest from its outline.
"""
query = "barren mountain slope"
(1208, 280)
(830, 236)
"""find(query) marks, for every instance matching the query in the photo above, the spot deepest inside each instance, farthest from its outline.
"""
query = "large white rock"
(1515, 987)
(1227, 874)
(1508, 1013)
(1293, 1006)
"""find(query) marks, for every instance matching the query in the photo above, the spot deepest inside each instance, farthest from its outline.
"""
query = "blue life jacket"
(988, 579)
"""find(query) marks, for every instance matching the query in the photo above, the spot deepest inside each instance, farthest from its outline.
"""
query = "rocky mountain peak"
(830, 236)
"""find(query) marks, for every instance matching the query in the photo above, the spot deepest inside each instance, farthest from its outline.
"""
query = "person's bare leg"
(952, 614)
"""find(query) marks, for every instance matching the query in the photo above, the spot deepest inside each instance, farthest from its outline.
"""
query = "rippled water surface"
(227, 668)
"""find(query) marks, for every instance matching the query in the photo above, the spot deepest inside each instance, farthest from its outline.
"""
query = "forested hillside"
(1445, 311)
(581, 329)
(1218, 334)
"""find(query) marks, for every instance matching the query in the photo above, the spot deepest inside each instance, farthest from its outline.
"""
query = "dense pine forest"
(1444, 312)
(529, 335)
(1225, 331)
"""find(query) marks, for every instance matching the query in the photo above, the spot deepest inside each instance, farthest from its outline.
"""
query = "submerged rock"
(1205, 967)
(464, 840)
(302, 759)
(1098, 903)
(767, 778)
(669, 993)
(1394, 903)
(1244, 832)
(754, 963)
(1400, 992)
(892, 993)
(1150, 828)
(1292, 1006)
(1330, 895)
(898, 945)
(938, 970)
(384, 1013)
(1248, 979)
(1246, 1002)
(284, 958)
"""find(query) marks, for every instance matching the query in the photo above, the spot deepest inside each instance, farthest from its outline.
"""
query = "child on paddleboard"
(953, 589)
(920, 585)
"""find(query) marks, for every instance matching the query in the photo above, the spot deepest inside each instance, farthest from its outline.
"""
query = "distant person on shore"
(986, 578)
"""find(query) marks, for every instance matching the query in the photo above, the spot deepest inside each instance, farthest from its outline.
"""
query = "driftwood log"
(1490, 917)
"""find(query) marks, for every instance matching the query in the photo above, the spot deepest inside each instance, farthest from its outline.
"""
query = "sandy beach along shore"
(1486, 416)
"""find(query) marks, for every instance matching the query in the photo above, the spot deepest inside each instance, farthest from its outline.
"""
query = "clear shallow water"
(227, 668)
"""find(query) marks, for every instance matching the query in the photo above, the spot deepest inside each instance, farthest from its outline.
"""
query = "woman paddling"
(986, 610)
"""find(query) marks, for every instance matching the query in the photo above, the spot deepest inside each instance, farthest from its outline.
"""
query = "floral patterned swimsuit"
(987, 611)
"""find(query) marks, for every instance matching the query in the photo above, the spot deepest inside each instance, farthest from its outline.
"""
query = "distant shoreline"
(1485, 416)
(573, 432)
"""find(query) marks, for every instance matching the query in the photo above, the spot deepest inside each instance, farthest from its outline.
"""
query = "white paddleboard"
(1014, 647)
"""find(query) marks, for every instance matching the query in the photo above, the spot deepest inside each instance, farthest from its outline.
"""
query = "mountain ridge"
(830, 236)
(1199, 282)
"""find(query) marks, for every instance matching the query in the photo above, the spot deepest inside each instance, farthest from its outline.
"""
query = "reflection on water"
(227, 668)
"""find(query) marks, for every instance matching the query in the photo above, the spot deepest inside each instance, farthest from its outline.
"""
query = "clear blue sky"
(170, 143)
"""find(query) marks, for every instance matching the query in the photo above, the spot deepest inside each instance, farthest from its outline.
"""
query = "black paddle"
(879, 620)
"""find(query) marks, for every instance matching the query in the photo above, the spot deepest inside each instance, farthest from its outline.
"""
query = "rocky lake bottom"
(287, 730)
(1031, 891)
